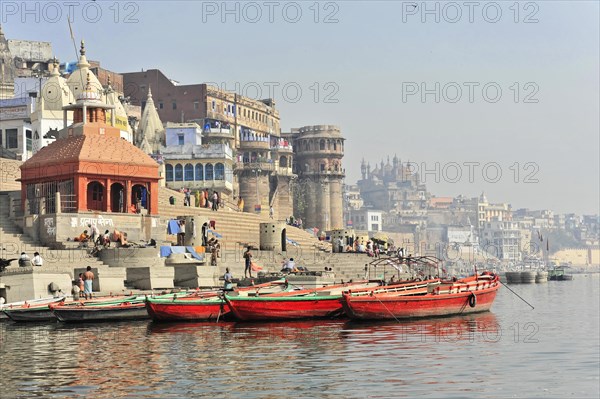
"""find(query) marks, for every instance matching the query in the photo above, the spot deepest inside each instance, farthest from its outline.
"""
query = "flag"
(547, 246)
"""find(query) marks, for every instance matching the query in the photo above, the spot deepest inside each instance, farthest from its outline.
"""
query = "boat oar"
(517, 295)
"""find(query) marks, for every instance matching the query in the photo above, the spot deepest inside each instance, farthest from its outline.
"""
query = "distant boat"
(559, 273)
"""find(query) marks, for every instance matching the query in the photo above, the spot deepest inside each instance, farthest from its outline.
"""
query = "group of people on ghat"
(202, 199)
(92, 236)
(26, 261)
(292, 221)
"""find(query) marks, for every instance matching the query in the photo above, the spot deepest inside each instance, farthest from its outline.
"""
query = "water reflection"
(479, 326)
(480, 355)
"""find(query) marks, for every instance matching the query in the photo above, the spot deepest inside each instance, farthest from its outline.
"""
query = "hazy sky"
(501, 97)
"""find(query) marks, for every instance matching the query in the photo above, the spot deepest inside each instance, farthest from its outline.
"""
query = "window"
(375, 226)
(322, 167)
(199, 172)
(213, 105)
(160, 105)
(28, 140)
(12, 140)
(169, 172)
(189, 172)
(180, 139)
(208, 171)
(219, 171)
(196, 105)
(0, 137)
(178, 172)
(174, 105)
(322, 145)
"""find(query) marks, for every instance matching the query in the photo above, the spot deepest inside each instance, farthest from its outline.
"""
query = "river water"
(552, 351)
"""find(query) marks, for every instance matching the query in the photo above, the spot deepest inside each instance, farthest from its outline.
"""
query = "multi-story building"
(367, 220)
(318, 153)
(352, 202)
(502, 239)
(190, 164)
(487, 212)
(15, 127)
(250, 128)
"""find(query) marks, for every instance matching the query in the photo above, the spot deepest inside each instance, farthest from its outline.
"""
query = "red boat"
(187, 308)
(469, 295)
(320, 302)
(202, 306)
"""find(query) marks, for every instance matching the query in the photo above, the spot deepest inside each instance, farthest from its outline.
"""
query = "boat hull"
(384, 307)
(30, 315)
(81, 314)
(285, 308)
(186, 310)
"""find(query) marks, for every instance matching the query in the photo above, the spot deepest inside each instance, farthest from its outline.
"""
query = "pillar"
(336, 204)
(57, 207)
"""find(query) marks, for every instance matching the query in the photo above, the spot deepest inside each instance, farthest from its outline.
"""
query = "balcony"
(218, 185)
(262, 165)
(282, 149)
(254, 145)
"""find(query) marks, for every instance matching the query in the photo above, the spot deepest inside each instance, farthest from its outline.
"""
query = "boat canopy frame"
(415, 264)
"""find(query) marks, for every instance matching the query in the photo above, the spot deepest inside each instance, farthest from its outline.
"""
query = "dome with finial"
(89, 94)
(78, 81)
(55, 94)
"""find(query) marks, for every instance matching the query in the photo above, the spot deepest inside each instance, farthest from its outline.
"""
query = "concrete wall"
(55, 228)
(26, 285)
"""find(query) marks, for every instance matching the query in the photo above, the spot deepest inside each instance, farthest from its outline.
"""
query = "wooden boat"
(204, 306)
(189, 308)
(468, 295)
(128, 308)
(34, 311)
(317, 305)
(322, 302)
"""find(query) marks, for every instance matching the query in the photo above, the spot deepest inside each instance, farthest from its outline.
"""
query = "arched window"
(188, 172)
(199, 172)
(335, 146)
(322, 144)
(283, 162)
(178, 172)
(208, 171)
(169, 172)
(219, 171)
(328, 145)
(305, 144)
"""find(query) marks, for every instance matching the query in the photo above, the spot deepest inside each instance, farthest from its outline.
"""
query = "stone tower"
(318, 153)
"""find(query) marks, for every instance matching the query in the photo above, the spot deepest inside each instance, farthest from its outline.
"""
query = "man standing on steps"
(88, 279)
(248, 263)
